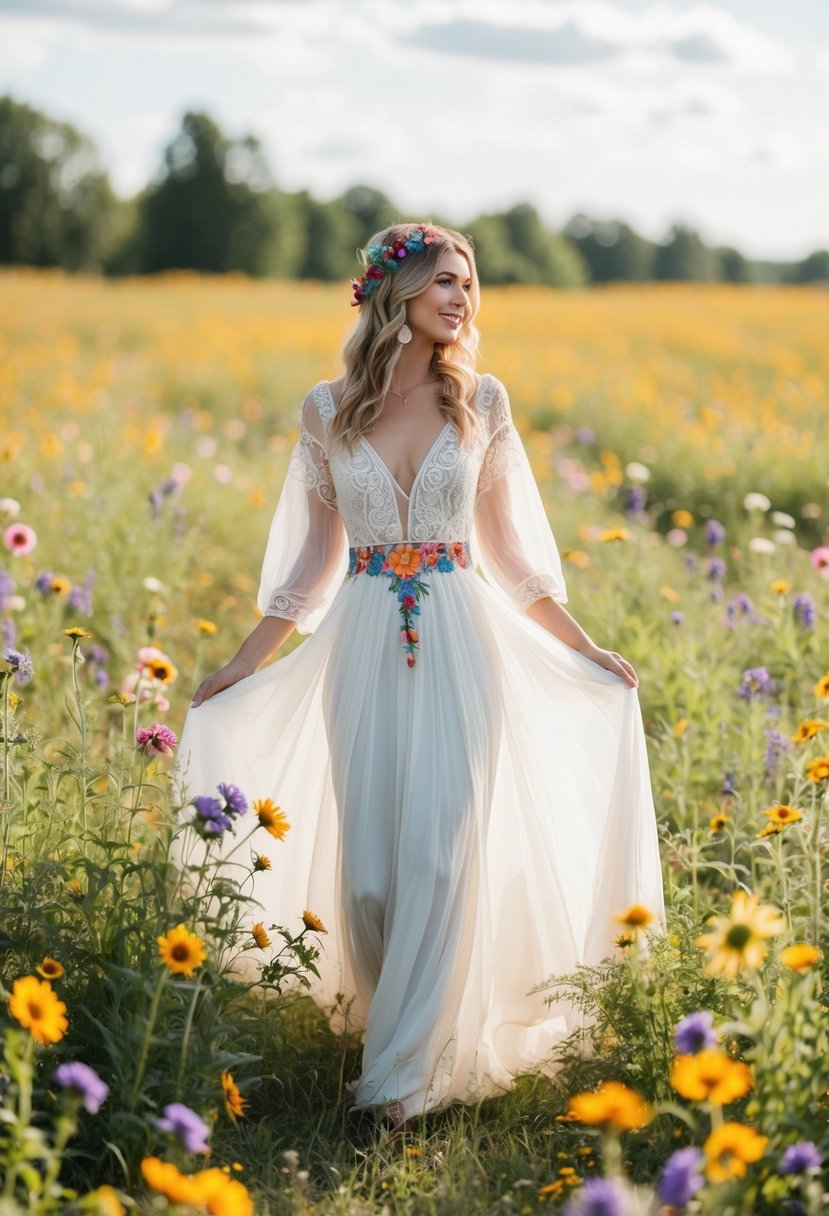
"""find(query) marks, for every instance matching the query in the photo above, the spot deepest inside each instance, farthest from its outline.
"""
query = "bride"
(463, 768)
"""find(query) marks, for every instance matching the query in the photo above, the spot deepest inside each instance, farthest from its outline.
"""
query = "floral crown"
(384, 259)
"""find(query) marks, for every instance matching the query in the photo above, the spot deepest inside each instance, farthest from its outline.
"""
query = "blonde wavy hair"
(372, 350)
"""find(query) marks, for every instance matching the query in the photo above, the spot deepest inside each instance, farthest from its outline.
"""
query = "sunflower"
(271, 818)
(781, 586)
(181, 950)
(160, 669)
(808, 728)
(34, 1005)
(710, 1076)
(818, 769)
(771, 829)
(75, 631)
(60, 585)
(737, 942)
(234, 1102)
(717, 822)
(313, 922)
(260, 936)
(612, 1103)
(404, 561)
(730, 1148)
(800, 956)
(261, 862)
(783, 815)
(50, 969)
(614, 534)
(821, 689)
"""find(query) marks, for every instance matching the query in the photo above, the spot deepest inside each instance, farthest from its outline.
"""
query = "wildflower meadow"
(678, 435)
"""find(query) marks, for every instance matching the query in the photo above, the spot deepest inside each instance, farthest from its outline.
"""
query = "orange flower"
(710, 1075)
(818, 769)
(404, 561)
(611, 1103)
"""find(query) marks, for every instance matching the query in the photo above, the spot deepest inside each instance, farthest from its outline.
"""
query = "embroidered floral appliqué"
(404, 566)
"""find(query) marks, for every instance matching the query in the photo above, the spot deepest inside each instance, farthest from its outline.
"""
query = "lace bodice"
(482, 490)
(442, 499)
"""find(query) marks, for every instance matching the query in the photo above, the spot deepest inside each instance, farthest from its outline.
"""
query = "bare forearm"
(555, 618)
(261, 642)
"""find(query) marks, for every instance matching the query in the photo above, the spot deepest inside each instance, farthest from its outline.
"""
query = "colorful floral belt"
(404, 565)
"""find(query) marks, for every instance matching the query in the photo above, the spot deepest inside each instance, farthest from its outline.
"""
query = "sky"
(711, 114)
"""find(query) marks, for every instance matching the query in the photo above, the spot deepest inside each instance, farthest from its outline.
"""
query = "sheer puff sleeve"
(516, 549)
(307, 551)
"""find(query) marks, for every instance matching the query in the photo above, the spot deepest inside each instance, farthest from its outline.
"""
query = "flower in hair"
(384, 259)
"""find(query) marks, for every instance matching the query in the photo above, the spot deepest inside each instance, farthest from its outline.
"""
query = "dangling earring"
(404, 334)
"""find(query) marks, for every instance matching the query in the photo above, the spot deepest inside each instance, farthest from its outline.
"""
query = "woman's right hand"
(230, 674)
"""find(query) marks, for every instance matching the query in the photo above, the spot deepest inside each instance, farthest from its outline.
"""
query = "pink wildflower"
(156, 740)
(19, 539)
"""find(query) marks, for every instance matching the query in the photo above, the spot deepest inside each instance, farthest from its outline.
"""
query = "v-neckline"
(408, 497)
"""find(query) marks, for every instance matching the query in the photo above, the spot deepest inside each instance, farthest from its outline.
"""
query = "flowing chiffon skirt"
(465, 828)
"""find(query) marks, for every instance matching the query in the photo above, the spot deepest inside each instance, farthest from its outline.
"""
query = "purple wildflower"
(801, 1158)
(77, 1076)
(691, 562)
(677, 618)
(728, 788)
(21, 665)
(236, 801)
(80, 597)
(695, 1033)
(714, 569)
(803, 607)
(777, 744)
(7, 586)
(43, 582)
(714, 533)
(716, 593)
(598, 1197)
(9, 632)
(755, 683)
(680, 1177)
(584, 434)
(634, 499)
(185, 1124)
(212, 820)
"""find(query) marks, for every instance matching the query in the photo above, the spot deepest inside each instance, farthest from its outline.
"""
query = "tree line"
(213, 206)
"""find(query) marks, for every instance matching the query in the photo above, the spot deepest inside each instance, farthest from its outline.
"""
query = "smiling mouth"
(452, 318)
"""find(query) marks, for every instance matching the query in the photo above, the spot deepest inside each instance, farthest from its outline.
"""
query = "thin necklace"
(404, 397)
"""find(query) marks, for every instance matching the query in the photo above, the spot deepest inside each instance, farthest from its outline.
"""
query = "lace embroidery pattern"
(533, 588)
(283, 605)
(309, 463)
(503, 453)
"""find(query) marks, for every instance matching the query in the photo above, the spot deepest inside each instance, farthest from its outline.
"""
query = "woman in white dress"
(464, 769)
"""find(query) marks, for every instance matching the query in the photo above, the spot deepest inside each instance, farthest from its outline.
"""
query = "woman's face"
(440, 310)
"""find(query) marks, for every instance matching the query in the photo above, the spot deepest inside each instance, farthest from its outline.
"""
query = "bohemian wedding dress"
(470, 798)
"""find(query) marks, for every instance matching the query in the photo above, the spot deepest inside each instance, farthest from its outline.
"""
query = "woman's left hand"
(612, 661)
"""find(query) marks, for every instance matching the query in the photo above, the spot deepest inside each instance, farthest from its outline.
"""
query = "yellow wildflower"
(181, 950)
(818, 769)
(313, 922)
(682, 518)
(614, 534)
(75, 631)
(261, 862)
(271, 818)
(780, 586)
(203, 626)
(730, 1148)
(821, 689)
(612, 1103)
(36, 1007)
(260, 936)
(783, 815)
(634, 918)
(737, 942)
(808, 729)
(800, 956)
(710, 1076)
(717, 822)
(50, 969)
(234, 1102)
